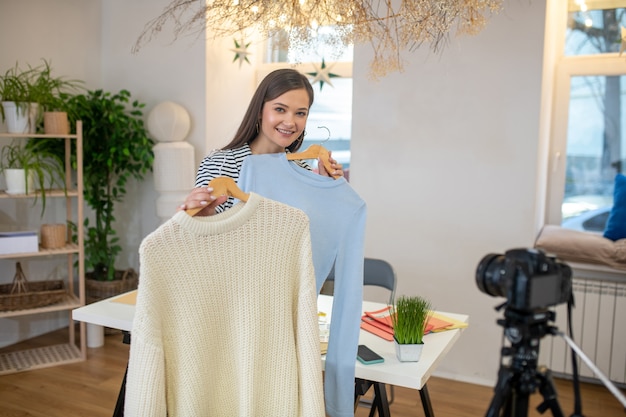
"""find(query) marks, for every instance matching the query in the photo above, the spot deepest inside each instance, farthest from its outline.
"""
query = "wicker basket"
(55, 122)
(53, 236)
(124, 281)
(22, 294)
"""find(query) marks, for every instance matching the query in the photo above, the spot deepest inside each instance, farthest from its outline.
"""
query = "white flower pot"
(16, 116)
(16, 181)
(408, 353)
(20, 117)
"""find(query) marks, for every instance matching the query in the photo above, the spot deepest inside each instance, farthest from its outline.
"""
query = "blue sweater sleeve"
(346, 319)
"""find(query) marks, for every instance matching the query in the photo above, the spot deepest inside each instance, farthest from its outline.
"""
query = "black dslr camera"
(528, 279)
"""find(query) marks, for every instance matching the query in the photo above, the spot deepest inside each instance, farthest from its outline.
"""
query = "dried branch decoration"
(389, 26)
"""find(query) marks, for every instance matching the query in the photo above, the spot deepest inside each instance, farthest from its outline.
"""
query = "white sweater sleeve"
(307, 339)
(145, 381)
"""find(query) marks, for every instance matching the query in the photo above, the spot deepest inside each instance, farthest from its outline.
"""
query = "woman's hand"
(202, 197)
(337, 167)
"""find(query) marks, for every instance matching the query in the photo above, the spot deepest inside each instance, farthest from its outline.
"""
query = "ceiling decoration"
(241, 52)
(322, 74)
(388, 26)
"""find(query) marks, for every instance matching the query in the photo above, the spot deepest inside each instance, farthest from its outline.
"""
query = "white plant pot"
(16, 117)
(408, 353)
(16, 181)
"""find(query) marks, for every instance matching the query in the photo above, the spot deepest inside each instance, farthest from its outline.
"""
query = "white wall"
(158, 72)
(66, 34)
(195, 74)
(444, 153)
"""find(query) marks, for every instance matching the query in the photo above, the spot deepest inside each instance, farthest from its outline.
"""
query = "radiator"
(599, 326)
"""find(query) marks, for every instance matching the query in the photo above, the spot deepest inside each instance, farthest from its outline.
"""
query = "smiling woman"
(330, 116)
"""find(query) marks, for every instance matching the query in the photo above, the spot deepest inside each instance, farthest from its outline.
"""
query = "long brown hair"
(275, 84)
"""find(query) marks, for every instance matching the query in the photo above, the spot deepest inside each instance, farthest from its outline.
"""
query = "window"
(330, 117)
(593, 27)
(588, 142)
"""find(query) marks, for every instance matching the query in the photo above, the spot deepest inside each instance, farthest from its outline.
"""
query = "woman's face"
(282, 121)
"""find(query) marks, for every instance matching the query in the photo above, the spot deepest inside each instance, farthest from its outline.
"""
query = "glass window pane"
(328, 47)
(596, 149)
(330, 119)
(594, 27)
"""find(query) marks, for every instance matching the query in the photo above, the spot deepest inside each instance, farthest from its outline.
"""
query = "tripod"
(521, 378)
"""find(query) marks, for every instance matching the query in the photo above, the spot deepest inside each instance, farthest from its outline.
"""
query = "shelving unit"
(75, 350)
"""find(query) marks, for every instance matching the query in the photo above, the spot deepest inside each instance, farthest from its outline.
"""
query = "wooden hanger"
(222, 186)
(314, 152)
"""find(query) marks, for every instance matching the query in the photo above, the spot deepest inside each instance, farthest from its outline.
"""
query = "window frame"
(557, 87)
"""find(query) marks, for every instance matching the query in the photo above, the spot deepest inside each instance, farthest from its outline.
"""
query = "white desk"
(414, 375)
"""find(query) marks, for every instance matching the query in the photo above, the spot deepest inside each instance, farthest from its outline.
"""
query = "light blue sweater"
(337, 219)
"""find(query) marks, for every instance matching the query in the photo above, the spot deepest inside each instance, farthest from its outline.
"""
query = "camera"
(529, 279)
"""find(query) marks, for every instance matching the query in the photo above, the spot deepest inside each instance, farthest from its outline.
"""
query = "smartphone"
(367, 356)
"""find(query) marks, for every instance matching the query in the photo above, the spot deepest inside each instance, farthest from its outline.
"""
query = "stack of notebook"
(379, 323)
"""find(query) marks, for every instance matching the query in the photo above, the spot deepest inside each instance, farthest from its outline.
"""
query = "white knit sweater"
(226, 317)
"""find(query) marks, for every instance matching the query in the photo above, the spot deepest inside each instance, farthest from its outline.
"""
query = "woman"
(274, 122)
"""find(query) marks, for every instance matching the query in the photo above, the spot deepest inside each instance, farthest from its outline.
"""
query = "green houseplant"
(34, 171)
(116, 148)
(48, 91)
(409, 320)
(15, 93)
(51, 93)
(31, 91)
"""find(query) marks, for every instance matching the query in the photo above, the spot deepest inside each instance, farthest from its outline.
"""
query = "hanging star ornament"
(241, 52)
(322, 74)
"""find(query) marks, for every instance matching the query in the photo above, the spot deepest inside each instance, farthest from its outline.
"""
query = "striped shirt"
(226, 163)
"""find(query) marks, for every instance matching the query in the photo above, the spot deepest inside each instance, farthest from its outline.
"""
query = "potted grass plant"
(409, 320)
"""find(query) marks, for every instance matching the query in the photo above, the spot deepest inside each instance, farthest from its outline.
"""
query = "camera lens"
(488, 275)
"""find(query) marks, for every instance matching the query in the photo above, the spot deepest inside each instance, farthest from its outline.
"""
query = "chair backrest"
(376, 272)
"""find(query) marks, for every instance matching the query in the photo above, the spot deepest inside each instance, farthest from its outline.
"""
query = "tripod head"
(520, 377)
(524, 330)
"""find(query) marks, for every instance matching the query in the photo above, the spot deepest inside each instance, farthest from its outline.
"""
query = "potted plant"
(25, 93)
(51, 94)
(409, 320)
(116, 148)
(26, 170)
(15, 95)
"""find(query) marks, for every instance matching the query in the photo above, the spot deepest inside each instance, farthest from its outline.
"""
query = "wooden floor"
(90, 389)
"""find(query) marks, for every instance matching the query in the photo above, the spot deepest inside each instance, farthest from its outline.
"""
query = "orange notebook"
(377, 324)
(376, 330)
(382, 316)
